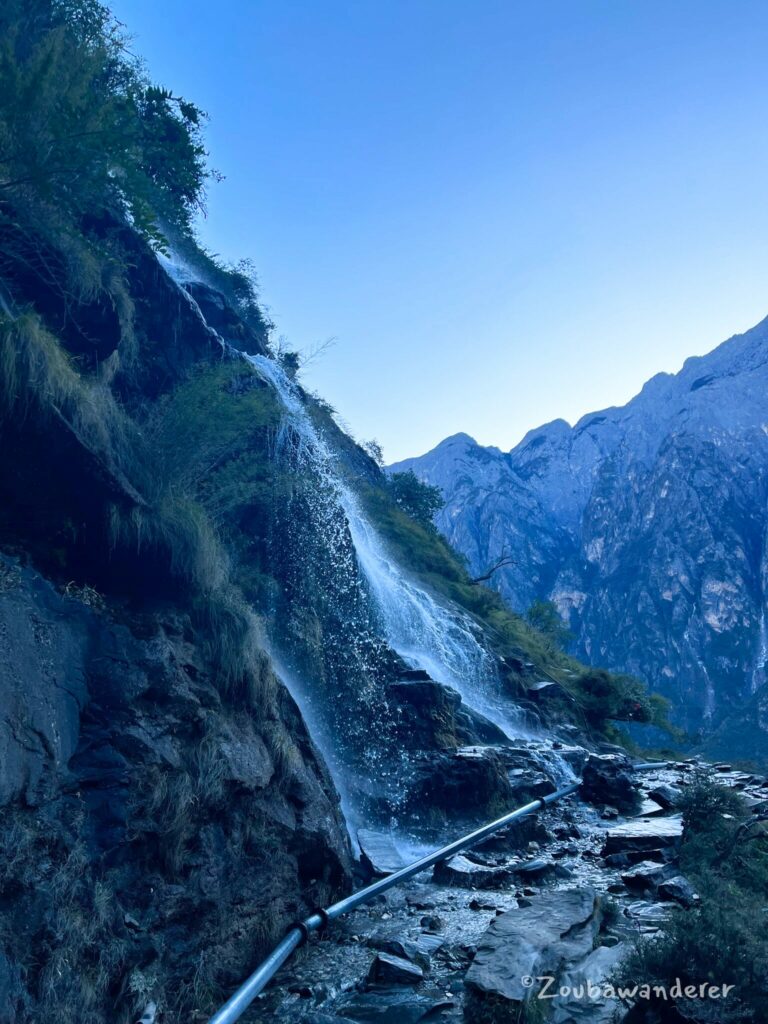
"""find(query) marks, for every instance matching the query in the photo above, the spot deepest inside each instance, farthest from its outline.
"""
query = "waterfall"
(424, 632)
(761, 661)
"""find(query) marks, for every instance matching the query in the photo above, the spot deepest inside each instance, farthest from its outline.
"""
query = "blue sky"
(503, 212)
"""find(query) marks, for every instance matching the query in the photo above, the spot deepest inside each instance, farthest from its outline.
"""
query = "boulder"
(416, 951)
(678, 889)
(610, 779)
(650, 808)
(387, 969)
(647, 874)
(667, 797)
(470, 782)
(537, 868)
(432, 716)
(648, 917)
(644, 834)
(528, 785)
(551, 935)
(593, 969)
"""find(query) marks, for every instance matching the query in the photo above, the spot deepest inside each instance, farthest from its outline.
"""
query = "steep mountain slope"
(645, 524)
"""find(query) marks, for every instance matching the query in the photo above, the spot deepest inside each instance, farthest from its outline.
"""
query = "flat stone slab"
(461, 871)
(378, 852)
(644, 834)
(649, 808)
(553, 932)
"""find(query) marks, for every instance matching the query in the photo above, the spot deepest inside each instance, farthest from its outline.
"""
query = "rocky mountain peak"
(645, 523)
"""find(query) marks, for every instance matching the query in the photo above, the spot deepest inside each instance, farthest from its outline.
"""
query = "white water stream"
(424, 632)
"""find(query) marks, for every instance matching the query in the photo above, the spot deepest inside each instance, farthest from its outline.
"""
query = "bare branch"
(500, 563)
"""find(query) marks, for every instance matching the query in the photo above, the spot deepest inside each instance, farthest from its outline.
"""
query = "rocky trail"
(561, 894)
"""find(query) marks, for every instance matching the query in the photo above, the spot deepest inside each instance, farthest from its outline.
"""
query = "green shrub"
(723, 939)
(81, 125)
(607, 696)
(419, 500)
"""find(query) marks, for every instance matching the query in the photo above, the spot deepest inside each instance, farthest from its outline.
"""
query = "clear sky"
(503, 212)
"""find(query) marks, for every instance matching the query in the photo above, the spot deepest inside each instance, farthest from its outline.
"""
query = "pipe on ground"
(237, 1004)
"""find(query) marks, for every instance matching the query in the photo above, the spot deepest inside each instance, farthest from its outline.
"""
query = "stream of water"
(424, 632)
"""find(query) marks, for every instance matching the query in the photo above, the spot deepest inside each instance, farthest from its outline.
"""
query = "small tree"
(421, 501)
(374, 449)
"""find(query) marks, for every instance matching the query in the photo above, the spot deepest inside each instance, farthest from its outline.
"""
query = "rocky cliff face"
(646, 525)
(163, 810)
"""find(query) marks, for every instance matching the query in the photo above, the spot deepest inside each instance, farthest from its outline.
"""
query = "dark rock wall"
(160, 823)
(152, 835)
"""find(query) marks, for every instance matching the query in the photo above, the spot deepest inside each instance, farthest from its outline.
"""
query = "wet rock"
(432, 923)
(538, 868)
(647, 874)
(476, 904)
(405, 949)
(630, 857)
(649, 808)
(593, 969)
(469, 782)
(387, 969)
(610, 779)
(419, 950)
(420, 903)
(678, 889)
(551, 935)
(430, 942)
(648, 917)
(574, 756)
(644, 834)
(460, 871)
(378, 852)
(391, 1006)
(667, 797)
(317, 1017)
(432, 716)
(529, 785)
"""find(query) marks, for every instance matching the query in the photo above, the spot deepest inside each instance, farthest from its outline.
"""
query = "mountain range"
(645, 525)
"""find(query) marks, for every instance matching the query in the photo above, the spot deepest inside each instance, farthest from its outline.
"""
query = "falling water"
(425, 633)
(759, 671)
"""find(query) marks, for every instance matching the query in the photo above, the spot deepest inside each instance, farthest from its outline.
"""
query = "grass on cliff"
(192, 462)
(722, 940)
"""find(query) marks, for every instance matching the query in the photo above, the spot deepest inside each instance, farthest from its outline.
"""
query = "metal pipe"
(234, 1008)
